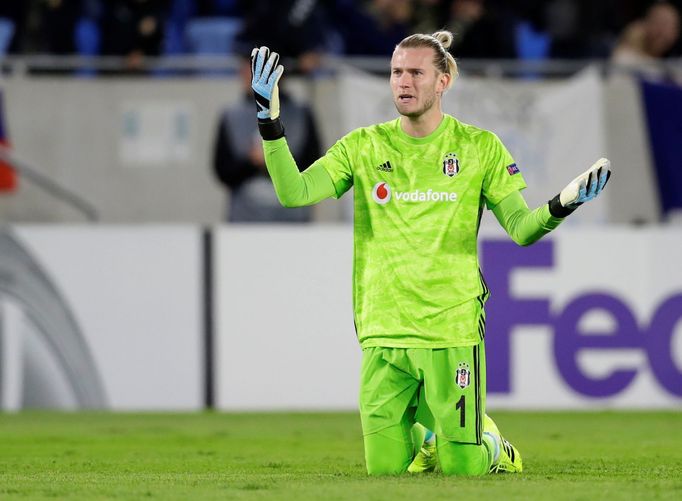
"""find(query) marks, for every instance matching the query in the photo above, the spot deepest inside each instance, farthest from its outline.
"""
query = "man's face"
(662, 28)
(415, 82)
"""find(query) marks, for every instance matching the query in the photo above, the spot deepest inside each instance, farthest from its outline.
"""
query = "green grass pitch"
(576, 455)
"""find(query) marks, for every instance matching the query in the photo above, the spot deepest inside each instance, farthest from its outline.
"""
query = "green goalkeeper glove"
(265, 74)
(583, 188)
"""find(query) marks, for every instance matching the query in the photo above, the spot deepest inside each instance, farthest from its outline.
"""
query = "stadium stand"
(213, 35)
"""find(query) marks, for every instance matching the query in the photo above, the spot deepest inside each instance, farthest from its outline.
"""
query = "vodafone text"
(426, 196)
(382, 194)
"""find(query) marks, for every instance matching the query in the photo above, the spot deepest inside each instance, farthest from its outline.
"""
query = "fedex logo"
(655, 337)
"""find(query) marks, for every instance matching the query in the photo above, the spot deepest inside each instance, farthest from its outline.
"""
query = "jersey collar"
(422, 140)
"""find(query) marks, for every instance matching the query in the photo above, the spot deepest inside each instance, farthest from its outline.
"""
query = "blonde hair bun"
(444, 37)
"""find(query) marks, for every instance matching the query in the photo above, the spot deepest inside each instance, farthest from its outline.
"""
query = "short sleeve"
(502, 175)
(337, 163)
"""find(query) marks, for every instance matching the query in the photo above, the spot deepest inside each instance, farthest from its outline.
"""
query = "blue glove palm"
(265, 74)
(587, 186)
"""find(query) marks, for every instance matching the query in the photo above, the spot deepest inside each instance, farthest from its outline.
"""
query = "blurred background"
(145, 263)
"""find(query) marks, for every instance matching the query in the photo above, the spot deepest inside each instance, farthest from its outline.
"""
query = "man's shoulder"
(468, 131)
(371, 132)
(380, 129)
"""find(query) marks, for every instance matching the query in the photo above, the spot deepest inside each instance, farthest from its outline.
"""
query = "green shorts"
(443, 389)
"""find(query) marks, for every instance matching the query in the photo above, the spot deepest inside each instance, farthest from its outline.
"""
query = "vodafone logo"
(381, 193)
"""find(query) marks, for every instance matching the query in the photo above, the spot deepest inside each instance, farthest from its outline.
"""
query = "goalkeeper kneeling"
(420, 182)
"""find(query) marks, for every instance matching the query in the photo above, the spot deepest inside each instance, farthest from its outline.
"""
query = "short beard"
(416, 114)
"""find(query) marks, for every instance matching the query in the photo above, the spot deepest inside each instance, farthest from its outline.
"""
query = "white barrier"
(284, 324)
(112, 317)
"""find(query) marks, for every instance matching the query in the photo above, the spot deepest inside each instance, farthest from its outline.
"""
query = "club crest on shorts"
(463, 375)
(450, 165)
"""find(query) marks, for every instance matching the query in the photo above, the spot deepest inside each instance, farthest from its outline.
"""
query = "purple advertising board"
(652, 336)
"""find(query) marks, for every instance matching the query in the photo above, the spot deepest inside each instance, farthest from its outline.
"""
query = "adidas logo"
(508, 449)
(385, 167)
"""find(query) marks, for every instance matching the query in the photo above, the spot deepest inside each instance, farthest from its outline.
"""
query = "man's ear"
(443, 82)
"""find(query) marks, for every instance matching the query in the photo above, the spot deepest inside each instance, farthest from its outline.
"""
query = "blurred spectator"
(649, 38)
(429, 16)
(481, 31)
(238, 160)
(294, 28)
(58, 23)
(48, 26)
(583, 29)
(133, 28)
(209, 8)
(182, 11)
(17, 12)
(373, 27)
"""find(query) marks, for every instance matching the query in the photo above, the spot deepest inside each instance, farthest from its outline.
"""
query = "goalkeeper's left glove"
(583, 188)
(265, 74)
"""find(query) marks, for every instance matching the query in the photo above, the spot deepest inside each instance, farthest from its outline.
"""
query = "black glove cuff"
(558, 210)
(270, 129)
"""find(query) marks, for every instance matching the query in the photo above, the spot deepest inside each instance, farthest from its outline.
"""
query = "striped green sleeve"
(523, 225)
(294, 188)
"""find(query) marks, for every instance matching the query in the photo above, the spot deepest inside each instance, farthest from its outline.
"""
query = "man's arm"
(523, 225)
(526, 227)
(293, 188)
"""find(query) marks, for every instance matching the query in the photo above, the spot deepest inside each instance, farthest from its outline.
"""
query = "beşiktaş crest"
(450, 165)
(463, 375)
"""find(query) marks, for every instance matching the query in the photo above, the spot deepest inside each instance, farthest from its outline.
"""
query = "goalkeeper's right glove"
(582, 189)
(265, 74)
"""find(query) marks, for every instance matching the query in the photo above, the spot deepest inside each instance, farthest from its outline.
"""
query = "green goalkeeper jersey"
(418, 205)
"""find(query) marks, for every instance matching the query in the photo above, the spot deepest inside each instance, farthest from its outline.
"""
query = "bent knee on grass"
(389, 451)
(387, 468)
(463, 459)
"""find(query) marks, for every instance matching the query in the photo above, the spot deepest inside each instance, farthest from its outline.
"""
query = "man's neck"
(423, 125)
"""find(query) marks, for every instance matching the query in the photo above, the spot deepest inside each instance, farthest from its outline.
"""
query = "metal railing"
(201, 66)
(27, 171)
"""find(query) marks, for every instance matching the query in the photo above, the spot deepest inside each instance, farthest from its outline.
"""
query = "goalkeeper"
(420, 183)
